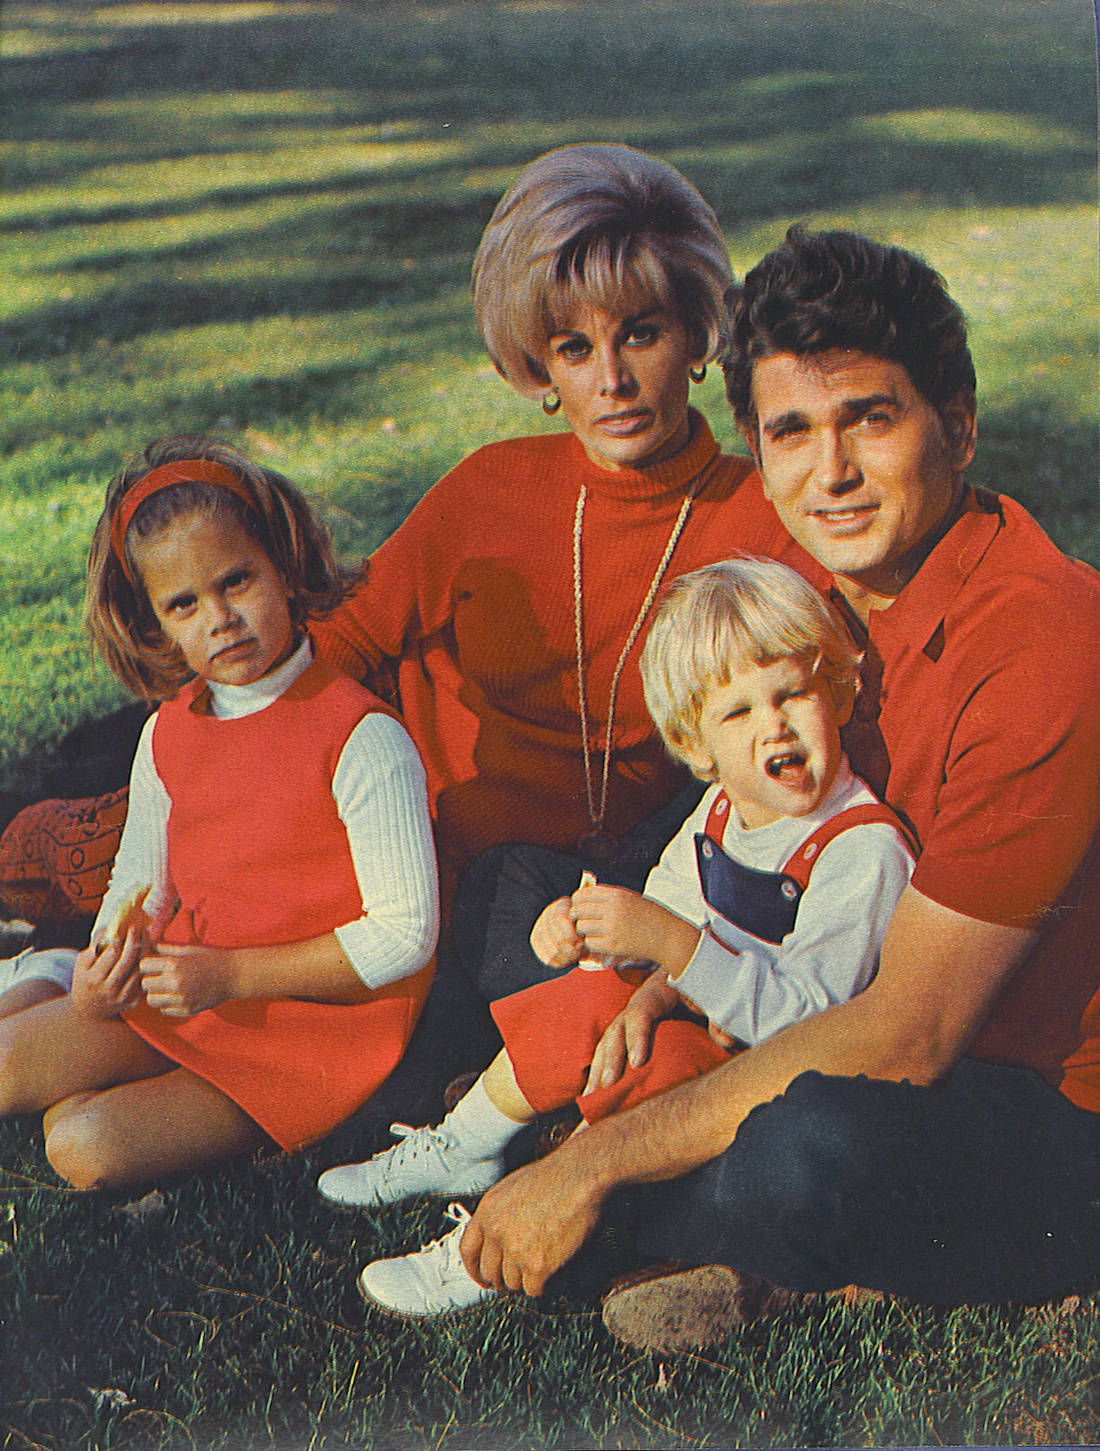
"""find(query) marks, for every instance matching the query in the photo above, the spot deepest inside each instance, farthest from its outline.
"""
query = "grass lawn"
(256, 218)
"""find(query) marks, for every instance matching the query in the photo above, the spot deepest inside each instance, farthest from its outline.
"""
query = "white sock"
(477, 1126)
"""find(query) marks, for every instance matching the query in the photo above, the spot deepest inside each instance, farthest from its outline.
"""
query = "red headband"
(186, 471)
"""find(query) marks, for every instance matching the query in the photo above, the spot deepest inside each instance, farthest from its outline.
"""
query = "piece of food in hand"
(590, 961)
(129, 913)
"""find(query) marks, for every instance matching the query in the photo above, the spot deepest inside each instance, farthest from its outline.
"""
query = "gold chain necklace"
(598, 842)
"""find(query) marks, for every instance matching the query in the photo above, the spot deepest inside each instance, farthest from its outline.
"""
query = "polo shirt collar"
(920, 609)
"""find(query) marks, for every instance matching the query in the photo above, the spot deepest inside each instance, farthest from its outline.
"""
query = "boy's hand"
(180, 981)
(619, 923)
(554, 939)
(628, 1037)
(105, 978)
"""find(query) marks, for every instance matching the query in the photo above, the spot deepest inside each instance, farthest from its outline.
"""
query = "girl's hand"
(105, 979)
(628, 1037)
(554, 939)
(181, 981)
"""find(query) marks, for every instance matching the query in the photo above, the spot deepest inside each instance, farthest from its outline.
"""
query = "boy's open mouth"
(789, 764)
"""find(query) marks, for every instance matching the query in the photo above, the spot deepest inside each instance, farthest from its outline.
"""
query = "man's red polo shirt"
(984, 733)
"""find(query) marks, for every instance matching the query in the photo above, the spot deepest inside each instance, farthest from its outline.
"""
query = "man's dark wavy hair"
(821, 291)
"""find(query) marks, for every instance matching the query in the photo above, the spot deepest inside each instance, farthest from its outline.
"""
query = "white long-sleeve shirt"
(381, 797)
(751, 988)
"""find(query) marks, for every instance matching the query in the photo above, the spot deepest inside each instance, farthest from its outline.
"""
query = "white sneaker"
(426, 1161)
(432, 1281)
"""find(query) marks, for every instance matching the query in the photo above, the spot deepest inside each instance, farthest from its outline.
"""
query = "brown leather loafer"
(680, 1307)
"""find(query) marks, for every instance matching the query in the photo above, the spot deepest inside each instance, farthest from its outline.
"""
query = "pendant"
(598, 846)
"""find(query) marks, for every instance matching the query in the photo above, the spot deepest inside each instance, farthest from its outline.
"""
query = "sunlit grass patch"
(956, 127)
(163, 12)
(198, 178)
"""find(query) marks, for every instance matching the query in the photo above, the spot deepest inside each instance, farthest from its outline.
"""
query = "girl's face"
(623, 384)
(218, 598)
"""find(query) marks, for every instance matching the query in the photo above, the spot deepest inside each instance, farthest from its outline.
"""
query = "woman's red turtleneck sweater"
(470, 603)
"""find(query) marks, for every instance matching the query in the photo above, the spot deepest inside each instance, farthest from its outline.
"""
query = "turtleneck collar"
(666, 480)
(231, 702)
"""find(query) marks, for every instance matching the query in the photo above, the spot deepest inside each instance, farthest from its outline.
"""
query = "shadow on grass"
(789, 179)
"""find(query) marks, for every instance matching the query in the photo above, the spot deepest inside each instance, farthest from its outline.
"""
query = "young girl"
(278, 815)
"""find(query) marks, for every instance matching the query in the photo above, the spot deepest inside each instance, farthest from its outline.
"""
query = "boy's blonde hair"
(602, 226)
(724, 616)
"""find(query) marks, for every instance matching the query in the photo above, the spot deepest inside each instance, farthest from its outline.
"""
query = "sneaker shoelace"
(447, 1244)
(414, 1142)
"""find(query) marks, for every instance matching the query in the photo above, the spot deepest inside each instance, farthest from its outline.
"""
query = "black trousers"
(982, 1189)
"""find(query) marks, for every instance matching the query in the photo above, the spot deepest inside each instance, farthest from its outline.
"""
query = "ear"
(752, 437)
(697, 759)
(960, 423)
(844, 699)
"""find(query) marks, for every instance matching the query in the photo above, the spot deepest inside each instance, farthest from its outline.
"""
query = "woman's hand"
(181, 981)
(554, 939)
(629, 1036)
(105, 978)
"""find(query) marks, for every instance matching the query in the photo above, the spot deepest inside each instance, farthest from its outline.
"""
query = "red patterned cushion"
(56, 858)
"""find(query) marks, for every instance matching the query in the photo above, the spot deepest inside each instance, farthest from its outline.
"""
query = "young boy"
(769, 904)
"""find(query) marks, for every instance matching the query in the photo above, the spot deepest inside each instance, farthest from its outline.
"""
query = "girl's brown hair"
(117, 613)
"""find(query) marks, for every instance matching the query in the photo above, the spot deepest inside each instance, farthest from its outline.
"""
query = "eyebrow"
(189, 591)
(850, 409)
(627, 322)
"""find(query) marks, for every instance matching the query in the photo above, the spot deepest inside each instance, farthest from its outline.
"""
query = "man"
(939, 1135)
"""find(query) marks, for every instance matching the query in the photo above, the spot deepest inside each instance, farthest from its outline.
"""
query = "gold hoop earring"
(551, 401)
(697, 374)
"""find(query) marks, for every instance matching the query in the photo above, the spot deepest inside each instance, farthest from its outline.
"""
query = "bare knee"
(80, 1147)
(26, 995)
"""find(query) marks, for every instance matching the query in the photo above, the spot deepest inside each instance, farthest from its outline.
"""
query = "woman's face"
(623, 384)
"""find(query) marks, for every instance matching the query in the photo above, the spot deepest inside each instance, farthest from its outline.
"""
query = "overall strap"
(717, 818)
(801, 864)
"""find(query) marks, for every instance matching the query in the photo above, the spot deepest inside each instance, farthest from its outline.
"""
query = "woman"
(511, 602)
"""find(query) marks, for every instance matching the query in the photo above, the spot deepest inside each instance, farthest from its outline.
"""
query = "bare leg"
(28, 995)
(499, 1081)
(146, 1130)
(49, 1051)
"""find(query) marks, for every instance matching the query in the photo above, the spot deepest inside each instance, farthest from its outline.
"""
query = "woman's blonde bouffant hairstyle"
(724, 616)
(117, 613)
(597, 225)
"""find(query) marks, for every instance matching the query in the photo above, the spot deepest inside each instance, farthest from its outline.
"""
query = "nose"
(615, 378)
(835, 467)
(774, 724)
(220, 615)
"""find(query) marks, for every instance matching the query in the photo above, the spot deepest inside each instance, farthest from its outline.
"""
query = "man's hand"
(181, 981)
(528, 1226)
(617, 922)
(555, 941)
(629, 1036)
(105, 979)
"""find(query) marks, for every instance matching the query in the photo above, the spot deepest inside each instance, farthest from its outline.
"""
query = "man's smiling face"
(861, 468)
